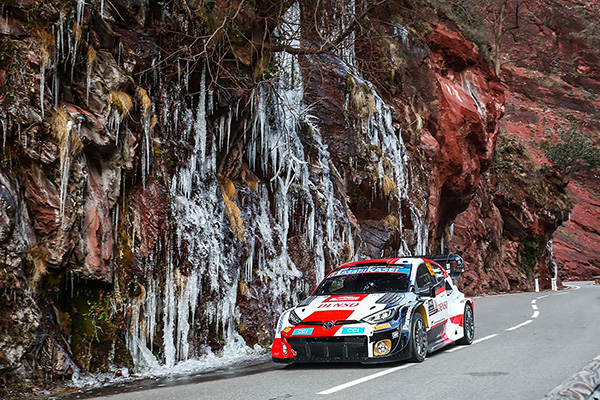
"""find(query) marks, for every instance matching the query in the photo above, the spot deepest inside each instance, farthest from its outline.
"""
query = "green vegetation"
(573, 151)
(522, 178)
(471, 17)
(530, 252)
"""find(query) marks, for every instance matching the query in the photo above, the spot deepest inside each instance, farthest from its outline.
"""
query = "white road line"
(484, 338)
(404, 366)
(520, 325)
(474, 342)
(452, 350)
(365, 379)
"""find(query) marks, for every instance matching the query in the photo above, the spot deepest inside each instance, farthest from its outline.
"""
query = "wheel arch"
(421, 310)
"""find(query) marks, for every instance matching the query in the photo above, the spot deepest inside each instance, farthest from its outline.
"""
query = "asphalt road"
(525, 345)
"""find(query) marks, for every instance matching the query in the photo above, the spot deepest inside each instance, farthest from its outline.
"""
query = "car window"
(438, 274)
(423, 278)
(363, 283)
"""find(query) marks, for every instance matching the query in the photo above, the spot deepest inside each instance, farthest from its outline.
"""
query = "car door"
(431, 284)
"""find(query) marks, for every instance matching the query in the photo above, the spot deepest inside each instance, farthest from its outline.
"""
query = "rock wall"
(556, 90)
(168, 186)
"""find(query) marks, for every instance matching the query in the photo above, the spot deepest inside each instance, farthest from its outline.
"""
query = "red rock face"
(56, 237)
(471, 101)
(98, 232)
(576, 243)
(151, 211)
(556, 89)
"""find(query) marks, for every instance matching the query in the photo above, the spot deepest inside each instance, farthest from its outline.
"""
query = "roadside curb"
(579, 386)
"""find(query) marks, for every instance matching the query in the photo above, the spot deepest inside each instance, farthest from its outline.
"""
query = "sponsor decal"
(286, 330)
(435, 307)
(281, 319)
(303, 331)
(431, 307)
(352, 330)
(338, 305)
(407, 318)
(382, 326)
(365, 270)
(345, 298)
(429, 268)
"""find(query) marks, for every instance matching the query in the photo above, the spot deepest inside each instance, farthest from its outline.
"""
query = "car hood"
(346, 307)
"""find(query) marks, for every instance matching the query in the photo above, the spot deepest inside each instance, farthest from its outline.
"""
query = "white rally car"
(378, 311)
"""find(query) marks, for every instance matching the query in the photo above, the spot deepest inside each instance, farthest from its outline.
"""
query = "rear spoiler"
(453, 263)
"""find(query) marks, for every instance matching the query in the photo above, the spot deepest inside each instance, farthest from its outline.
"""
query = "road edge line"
(365, 379)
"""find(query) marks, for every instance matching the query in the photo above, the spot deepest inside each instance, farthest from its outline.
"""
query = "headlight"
(294, 319)
(380, 316)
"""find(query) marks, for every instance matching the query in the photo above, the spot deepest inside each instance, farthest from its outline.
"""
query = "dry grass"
(122, 102)
(346, 253)
(249, 177)
(391, 221)
(233, 212)
(389, 186)
(362, 97)
(228, 188)
(91, 56)
(60, 130)
(144, 100)
(37, 257)
(43, 44)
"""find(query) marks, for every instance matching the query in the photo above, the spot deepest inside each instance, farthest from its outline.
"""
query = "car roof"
(386, 261)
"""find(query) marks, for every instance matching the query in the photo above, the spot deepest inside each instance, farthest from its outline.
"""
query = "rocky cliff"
(174, 175)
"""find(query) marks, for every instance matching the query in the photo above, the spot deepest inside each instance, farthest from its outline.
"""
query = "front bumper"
(316, 349)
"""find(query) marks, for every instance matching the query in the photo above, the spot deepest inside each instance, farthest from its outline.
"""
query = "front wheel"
(468, 325)
(418, 339)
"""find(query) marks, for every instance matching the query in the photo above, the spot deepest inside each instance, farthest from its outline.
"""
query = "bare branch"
(330, 45)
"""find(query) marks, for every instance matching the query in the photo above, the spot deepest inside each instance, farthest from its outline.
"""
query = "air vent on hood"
(389, 298)
(307, 301)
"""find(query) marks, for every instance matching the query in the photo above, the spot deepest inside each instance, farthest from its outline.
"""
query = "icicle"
(65, 159)
(56, 87)
(77, 33)
(169, 313)
(42, 85)
(4, 132)
(146, 142)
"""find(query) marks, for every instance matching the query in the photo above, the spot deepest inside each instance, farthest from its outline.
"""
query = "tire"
(418, 338)
(469, 326)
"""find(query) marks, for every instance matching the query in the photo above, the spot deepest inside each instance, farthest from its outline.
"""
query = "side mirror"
(427, 292)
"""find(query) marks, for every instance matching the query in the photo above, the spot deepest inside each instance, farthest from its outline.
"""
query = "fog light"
(284, 349)
(382, 347)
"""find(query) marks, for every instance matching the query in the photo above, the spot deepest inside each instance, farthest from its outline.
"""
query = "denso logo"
(344, 298)
(339, 305)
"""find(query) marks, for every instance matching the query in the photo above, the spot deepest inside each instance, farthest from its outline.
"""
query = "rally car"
(378, 311)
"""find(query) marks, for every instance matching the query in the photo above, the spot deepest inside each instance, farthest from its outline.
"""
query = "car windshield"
(363, 283)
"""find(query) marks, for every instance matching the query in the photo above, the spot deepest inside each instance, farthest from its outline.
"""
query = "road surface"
(525, 345)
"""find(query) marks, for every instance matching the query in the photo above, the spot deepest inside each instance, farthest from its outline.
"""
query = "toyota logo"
(328, 325)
